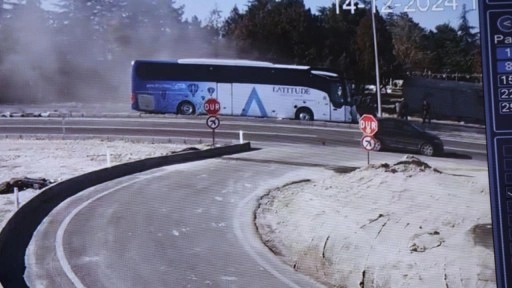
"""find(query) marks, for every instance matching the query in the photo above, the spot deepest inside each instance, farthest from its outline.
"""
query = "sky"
(429, 19)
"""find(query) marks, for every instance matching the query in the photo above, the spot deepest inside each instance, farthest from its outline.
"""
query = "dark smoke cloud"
(72, 62)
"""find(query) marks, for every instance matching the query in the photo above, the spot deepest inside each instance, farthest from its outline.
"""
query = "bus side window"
(343, 95)
(348, 94)
(337, 96)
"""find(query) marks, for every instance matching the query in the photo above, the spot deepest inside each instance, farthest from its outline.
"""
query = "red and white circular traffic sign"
(212, 106)
(213, 122)
(368, 142)
(368, 124)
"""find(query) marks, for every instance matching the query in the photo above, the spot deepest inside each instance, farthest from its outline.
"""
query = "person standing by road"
(404, 110)
(426, 107)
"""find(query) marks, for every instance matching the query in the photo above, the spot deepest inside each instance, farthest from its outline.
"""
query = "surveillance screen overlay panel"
(496, 36)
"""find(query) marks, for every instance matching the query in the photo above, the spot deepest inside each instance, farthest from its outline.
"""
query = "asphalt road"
(192, 228)
(459, 141)
(187, 225)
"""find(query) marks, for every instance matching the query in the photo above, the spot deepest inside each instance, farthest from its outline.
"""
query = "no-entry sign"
(368, 124)
(212, 106)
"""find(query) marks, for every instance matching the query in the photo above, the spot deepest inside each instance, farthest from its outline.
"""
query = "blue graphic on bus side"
(193, 88)
(254, 97)
(172, 93)
(169, 95)
(210, 90)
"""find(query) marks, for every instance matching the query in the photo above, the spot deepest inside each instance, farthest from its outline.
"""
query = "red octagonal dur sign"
(368, 124)
(212, 106)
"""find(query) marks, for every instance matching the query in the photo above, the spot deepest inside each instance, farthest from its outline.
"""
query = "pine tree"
(408, 41)
(468, 43)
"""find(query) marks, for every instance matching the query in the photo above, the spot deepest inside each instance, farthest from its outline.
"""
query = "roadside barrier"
(17, 232)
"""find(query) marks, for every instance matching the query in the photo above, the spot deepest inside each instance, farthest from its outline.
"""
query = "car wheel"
(186, 108)
(427, 149)
(378, 145)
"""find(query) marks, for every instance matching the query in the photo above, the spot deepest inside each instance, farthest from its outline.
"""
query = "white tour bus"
(243, 88)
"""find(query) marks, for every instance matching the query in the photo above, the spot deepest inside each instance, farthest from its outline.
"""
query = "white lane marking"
(274, 143)
(186, 129)
(161, 129)
(61, 255)
(483, 151)
(466, 140)
(479, 139)
(201, 121)
(338, 126)
(242, 239)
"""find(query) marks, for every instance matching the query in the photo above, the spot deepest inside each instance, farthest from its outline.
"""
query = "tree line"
(82, 49)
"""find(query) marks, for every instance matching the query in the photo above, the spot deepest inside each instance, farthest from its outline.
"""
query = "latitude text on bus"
(290, 90)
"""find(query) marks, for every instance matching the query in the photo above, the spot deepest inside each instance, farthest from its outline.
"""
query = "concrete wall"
(451, 100)
(17, 232)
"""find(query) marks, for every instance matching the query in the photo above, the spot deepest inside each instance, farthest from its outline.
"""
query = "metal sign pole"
(368, 157)
(213, 123)
(377, 76)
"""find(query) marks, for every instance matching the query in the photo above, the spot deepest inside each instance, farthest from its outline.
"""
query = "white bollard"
(108, 156)
(63, 125)
(16, 198)
(241, 137)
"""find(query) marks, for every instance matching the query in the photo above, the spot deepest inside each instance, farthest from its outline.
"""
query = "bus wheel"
(186, 108)
(304, 114)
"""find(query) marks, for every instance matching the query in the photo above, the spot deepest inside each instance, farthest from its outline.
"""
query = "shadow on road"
(450, 155)
(454, 155)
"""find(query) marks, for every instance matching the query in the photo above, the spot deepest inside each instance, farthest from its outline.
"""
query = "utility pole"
(351, 6)
(377, 75)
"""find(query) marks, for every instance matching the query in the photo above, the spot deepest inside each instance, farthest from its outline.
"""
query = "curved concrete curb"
(17, 232)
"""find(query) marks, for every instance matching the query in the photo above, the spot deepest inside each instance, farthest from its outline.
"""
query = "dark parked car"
(402, 135)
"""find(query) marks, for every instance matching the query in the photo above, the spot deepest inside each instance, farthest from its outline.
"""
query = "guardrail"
(17, 232)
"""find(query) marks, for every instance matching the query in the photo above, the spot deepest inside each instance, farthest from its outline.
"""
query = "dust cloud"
(60, 57)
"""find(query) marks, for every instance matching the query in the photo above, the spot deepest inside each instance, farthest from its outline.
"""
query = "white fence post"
(16, 198)
(63, 125)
